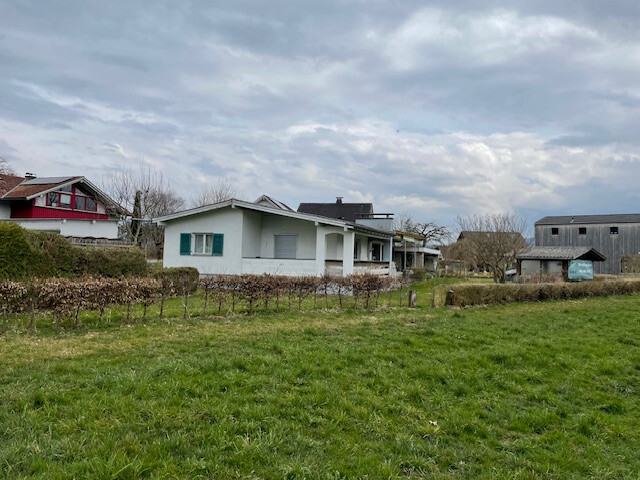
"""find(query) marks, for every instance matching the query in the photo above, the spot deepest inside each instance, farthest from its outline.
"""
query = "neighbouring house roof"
(260, 207)
(470, 234)
(562, 253)
(340, 210)
(273, 202)
(20, 188)
(7, 182)
(407, 235)
(579, 219)
(27, 189)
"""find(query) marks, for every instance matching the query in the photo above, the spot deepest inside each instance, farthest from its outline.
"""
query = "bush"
(30, 253)
(18, 259)
(469, 295)
(111, 262)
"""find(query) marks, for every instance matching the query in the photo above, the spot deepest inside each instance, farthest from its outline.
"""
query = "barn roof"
(562, 253)
(586, 219)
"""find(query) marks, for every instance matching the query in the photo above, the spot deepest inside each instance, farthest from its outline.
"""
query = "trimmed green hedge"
(489, 294)
(29, 253)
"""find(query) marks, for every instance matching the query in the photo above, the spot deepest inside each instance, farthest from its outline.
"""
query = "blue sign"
(580, 270)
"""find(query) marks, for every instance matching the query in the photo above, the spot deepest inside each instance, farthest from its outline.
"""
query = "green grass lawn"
(520, 391)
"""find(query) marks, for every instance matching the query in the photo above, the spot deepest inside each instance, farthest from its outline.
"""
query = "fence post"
(450, 298)
(412, 298)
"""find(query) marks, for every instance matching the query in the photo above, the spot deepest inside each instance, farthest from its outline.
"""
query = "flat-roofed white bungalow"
(266, 236)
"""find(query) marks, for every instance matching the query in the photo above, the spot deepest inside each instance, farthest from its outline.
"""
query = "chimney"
(29, 176)
(339, 200)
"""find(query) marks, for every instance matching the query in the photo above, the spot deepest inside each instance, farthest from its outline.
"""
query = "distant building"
(614, 236)
(568, 263)
(70, 206)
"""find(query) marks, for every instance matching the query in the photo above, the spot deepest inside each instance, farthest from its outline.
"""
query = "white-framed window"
(202, 243)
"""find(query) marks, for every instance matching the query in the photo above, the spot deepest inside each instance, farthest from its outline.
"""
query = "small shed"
(570, 263)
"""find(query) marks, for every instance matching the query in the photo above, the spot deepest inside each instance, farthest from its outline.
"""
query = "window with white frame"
(202, 243)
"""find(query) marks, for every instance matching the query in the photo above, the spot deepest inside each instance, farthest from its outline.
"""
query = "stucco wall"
(274, 225)
(277, 266)
(251, 233)
(73, 228)
(227, 221)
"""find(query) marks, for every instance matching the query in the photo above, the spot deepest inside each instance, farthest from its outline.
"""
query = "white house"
(266, 236)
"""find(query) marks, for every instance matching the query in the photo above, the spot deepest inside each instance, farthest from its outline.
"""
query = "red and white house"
(71, 206)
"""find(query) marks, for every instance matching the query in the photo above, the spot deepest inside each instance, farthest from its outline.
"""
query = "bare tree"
(5, 167)
(145, 195)
(216, 192)
(490, 240)
(432, 232)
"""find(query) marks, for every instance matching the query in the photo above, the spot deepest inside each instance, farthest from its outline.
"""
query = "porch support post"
(391, 253)
(320, 248)
(348, 243)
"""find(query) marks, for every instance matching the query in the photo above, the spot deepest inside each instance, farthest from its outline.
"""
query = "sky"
(434, 108)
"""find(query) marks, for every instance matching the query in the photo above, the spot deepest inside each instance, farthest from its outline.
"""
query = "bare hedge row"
(468, 295)
(67, 297)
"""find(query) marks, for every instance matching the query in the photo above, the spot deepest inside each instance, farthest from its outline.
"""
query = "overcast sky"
(437, 108)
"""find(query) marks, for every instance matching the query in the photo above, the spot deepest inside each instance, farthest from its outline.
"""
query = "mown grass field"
(521, 391)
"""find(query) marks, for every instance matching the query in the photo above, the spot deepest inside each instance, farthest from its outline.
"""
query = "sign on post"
(580, 270)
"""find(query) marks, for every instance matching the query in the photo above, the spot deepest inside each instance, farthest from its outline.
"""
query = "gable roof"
(27, 189)
(260, 207)
(339, 210)
(578, 219)
(562, 253)
(266, 199)
(471, 234)
(7, 182)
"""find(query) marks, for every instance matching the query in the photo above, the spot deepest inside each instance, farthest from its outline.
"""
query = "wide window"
(202, 244)
(72, 198)
(285, 246)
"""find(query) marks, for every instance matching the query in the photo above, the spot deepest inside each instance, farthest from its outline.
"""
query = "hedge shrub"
(29, 253)
(469, 295)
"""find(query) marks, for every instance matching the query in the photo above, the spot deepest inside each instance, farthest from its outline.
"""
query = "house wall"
(5, 210)
(278, 266)
(73, 228)
(275, 225)
(251, 234)
(613, 247)
(334, 246)
(228, 221)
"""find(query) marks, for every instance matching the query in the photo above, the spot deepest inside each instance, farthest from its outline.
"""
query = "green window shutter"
(185, 244)
(218, 243)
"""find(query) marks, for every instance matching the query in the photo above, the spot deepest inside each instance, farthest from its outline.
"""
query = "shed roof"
(562, 253)
(339, 210)
(585, 219)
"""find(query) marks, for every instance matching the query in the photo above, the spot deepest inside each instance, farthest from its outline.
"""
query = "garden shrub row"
(470, 295)
(65, 298)
(27, 254)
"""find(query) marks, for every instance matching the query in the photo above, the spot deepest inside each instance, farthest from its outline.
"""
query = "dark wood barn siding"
(626, 242)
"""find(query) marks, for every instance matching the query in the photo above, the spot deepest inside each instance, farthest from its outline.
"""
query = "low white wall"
(73, 228)
(278, 266)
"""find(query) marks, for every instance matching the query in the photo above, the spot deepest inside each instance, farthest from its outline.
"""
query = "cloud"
(440, 110)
